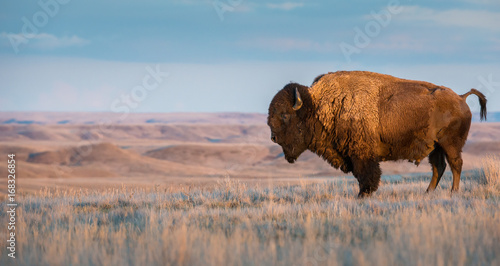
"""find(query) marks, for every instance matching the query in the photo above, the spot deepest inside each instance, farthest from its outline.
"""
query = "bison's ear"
(298, 100)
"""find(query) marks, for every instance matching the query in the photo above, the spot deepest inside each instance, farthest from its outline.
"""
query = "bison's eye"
(285, 117)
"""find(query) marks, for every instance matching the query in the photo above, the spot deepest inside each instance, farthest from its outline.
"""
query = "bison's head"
(286, 115)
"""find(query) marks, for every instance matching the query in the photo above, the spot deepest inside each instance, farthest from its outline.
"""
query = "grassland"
(235, 223)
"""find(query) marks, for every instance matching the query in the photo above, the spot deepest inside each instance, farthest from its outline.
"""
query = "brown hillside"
(212, 155)
(103, 152)
(482, 148)
(110, 158)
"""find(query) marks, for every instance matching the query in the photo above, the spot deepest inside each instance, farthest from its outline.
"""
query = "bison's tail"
(482, 102)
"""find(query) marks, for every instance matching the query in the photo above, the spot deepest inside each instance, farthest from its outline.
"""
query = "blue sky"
(232, 55)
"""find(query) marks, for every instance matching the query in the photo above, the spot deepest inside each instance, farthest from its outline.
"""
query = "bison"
(356, 119)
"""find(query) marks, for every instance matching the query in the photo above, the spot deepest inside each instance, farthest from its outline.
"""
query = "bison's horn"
(298, 100)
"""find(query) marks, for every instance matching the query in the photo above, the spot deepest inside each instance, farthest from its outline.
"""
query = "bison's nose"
(273, 137)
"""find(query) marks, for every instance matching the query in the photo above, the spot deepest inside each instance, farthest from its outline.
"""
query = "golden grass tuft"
(491, 172)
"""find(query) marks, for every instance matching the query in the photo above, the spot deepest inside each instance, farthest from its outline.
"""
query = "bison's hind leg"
(436, 158)
(453, 151)
(452, 144)
(368, 173)
(455, 161)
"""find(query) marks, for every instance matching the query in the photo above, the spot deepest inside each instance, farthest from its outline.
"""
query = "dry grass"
(233, 223)
(491, 172)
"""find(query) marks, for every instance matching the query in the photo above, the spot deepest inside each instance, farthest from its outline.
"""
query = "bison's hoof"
(363, 194)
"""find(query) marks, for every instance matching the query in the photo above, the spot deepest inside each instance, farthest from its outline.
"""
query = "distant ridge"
(20, 122)
(98, 118)
(88, 118)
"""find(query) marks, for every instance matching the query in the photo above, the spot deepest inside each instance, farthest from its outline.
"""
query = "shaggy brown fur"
(355, 119)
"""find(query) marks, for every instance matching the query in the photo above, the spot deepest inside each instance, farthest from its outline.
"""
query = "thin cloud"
(191, 2)
(480, 19)
(286, 6)
(288, 44)
(45, 41)
(402, 42)
(245, 6)
(483, 2)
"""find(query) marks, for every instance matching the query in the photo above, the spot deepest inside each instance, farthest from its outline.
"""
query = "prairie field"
(233, 222)
(212, 189)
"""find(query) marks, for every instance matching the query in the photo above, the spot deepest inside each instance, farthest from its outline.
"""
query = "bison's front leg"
(368, 174)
